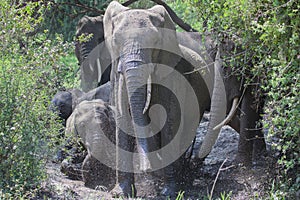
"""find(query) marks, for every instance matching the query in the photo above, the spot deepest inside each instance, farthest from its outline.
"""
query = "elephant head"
(134, 52)
(91, 53)
(64, 102)
(138, 42)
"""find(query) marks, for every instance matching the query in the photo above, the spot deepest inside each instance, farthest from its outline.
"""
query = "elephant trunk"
(137, 82)
(217, 110)
(86, 48)
(89, 68)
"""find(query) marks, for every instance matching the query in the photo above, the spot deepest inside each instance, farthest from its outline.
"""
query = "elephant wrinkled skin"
(93, 72)
(64, 102)
(93, 121)
(137, 82)
(132, 101)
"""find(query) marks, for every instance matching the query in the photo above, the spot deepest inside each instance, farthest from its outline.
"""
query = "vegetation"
(269, 33)
(36, 61)
(31, 70)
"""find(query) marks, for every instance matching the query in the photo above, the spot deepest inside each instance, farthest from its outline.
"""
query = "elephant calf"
(93, 121)
(64, 102)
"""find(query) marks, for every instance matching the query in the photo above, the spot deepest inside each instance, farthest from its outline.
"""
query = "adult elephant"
(150, 68)
(243, 107)
(94, 71)
(244, 104)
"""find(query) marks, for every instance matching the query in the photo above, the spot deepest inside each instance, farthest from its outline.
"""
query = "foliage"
(62, 16)
(34, 63)
(144, 4)
(269, 33)
(187, 12)
(30, 72)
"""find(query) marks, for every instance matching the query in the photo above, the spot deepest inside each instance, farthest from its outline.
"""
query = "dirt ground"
(216, 175)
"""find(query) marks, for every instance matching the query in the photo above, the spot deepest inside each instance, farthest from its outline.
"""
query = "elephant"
(141, 43)
(246, 115)
(64, 102)
(93, 72)
(243, 118)
(243, 108)
(92, 121)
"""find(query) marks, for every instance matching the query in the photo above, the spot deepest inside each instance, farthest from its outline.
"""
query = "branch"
(80, 5)
(175, 18)
(172, 14)
(127, 3)
(215, 181)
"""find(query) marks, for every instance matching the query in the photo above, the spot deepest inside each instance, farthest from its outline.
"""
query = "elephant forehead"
(137, 19)
(62, 97)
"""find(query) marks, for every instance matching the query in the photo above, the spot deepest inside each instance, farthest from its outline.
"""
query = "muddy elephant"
(150, 68)
(64, 102)
(93, 123)
(245, 116)
(96, 70)
(244, 105)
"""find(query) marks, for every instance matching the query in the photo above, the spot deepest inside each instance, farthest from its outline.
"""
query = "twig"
(215, 181)
(127, 3)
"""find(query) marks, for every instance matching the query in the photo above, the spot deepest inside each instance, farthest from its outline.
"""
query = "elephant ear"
(76, 94)
(70, 126)
(170, 53)
(112, 10)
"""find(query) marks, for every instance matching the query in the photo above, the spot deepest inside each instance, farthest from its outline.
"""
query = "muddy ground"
(217, 175)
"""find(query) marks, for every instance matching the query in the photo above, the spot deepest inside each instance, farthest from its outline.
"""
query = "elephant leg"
(125, 177)
(167, 133)
(248, 119)
(235, 123)
(170, 186)
(259, 145)
(91, 172)
(251, 142)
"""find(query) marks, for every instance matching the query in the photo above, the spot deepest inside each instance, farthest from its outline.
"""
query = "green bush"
(31, 70)
(269, 31)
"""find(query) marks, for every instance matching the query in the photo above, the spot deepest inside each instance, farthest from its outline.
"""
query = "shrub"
(30, 73)
(269, 31)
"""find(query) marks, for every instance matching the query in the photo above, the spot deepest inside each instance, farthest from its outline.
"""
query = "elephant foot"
(145, 165)
(123, 190)
(243, 159)
(73, 171)
(259, 159)
(169, 190)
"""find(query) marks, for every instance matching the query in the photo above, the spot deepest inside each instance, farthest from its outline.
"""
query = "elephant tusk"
(230, 115)
(149, 81)
(121, 82)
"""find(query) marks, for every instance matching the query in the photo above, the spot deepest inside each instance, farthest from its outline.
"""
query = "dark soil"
(217, 175)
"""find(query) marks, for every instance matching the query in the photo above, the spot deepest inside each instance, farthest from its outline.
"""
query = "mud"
(217, 175)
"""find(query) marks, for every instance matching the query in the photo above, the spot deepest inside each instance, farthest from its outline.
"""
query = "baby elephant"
(64, 102)
(93, 121)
